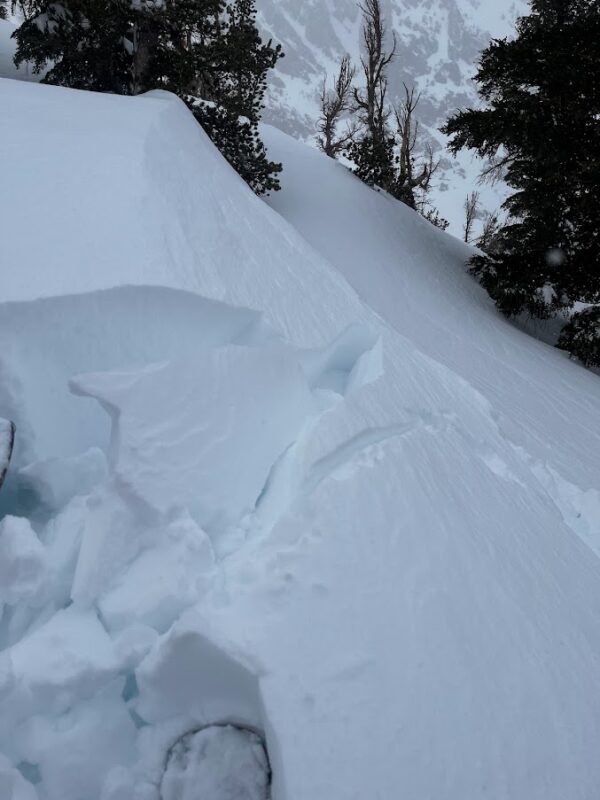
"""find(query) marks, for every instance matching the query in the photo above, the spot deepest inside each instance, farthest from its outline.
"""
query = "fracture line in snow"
(290, 484)
(346, 452)
(579, 508)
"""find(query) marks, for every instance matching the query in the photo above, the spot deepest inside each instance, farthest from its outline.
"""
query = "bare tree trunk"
(334, 103)
(412, 175)
(471, 213)
(371, 102)
(145, 40)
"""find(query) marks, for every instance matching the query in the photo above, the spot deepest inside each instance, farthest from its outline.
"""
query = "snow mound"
(242, 495)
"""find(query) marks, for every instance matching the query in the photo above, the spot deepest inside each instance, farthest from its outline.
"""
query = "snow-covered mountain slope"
(438, 46)
(407, 272)
(310, 489)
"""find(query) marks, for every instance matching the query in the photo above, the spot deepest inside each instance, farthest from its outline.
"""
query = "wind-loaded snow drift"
(291, 510)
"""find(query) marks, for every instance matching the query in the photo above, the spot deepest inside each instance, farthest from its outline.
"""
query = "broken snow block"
(22, 561)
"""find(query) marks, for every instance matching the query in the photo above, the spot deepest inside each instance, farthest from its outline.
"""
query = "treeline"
(380, 138)
(538, 129)
(208, 53)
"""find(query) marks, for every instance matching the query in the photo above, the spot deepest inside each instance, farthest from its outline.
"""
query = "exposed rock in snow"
(217, 763)
(13, 785)
(7, 440)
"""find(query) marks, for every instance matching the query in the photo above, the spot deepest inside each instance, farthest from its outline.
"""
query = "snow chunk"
(22, 561)
(162, 581)
(46, 342)
(119, 785)
(217, 763)
(75, 751)
(204, 433)
(113, 534)
(66, 660)
(353, 360)
(193, 672)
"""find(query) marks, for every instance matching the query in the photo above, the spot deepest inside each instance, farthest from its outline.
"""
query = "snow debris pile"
(261, 537)
(130, 531)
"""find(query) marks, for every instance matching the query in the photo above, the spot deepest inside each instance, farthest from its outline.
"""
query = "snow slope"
(543, 403)
(316, 488)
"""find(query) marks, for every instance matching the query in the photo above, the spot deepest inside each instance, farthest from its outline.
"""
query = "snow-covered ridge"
(283, 469)
(439, 42)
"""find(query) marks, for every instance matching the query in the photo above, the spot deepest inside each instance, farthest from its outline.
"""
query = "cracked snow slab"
(287, 497)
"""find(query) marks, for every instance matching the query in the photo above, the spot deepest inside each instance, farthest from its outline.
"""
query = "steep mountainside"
(438, 46)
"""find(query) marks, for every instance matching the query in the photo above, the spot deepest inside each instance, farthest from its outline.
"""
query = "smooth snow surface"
(281, 468)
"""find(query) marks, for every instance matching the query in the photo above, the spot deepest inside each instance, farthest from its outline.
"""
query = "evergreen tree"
(85, 42)
(3, 9)
(236, 84)
(208, 52)
(581, 336)
(540, 127)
